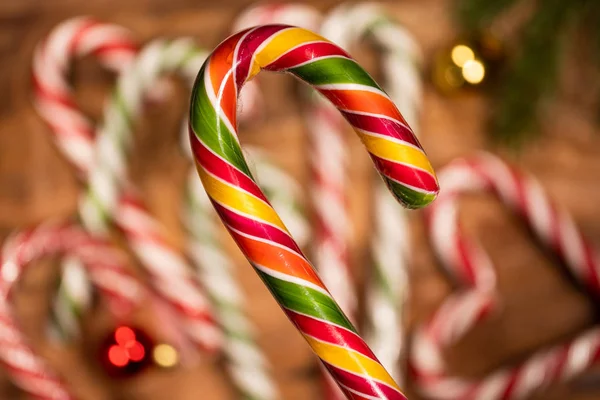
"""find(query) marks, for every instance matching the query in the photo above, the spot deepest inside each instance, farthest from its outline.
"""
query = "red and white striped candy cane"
(111, 44)
(470, 266)
(105, 266)
(171, 275)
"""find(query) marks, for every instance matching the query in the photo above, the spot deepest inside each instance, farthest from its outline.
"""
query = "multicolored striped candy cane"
(463, 258)
(105, 266)
(116, 200)
(348, 25)
(247, 214)
(296, 14)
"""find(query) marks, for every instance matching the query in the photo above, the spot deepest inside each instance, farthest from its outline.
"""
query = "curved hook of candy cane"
(401, 55)
(348, 25)
(105, 266)
(245, 211)
(467, 261)
(115, 49)
(301, 15)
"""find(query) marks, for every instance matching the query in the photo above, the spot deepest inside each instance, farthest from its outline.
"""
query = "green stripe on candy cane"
(221, 140)
(409, 195)
(344, 71)
(292, 297)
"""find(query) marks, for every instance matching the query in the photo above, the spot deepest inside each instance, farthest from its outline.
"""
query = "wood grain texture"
(540, 308)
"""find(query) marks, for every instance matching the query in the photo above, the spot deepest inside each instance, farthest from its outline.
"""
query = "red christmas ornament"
(126, 352)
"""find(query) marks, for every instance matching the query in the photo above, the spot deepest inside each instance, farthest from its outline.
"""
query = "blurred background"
(517, 78)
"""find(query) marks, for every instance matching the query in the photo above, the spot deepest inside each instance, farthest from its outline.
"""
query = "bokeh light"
(126, 351)
(124, 335)
(135, 351)
(473, 71)
(165, 355)
(117, 355)
(461, 54)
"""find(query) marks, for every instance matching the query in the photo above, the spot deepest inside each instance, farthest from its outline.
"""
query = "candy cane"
(114, 48)
(463, 258)
(117, 201)
(105, 266)
(347, 25)
(245, 211)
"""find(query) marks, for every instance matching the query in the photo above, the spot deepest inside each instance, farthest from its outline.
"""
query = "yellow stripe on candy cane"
(350, 361)
(281, 43)
(238, 199)
(393, 151)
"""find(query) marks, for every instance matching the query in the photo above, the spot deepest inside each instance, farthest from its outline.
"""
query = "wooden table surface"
(539, 307)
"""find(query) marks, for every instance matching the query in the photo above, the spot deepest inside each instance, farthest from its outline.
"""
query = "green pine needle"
(591, 17)
(533, 75)
(476, 14)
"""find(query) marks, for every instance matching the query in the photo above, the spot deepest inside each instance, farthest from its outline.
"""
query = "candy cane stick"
(462, 257)
(105, 266)
(347, 25)
(247, 214)
(170, 273)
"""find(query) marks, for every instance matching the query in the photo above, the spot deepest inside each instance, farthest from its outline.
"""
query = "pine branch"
(593, 11)
(477, 14)
(533, 75)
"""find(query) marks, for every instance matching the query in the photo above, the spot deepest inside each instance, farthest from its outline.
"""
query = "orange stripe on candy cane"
(261, 253)
(361, 100)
